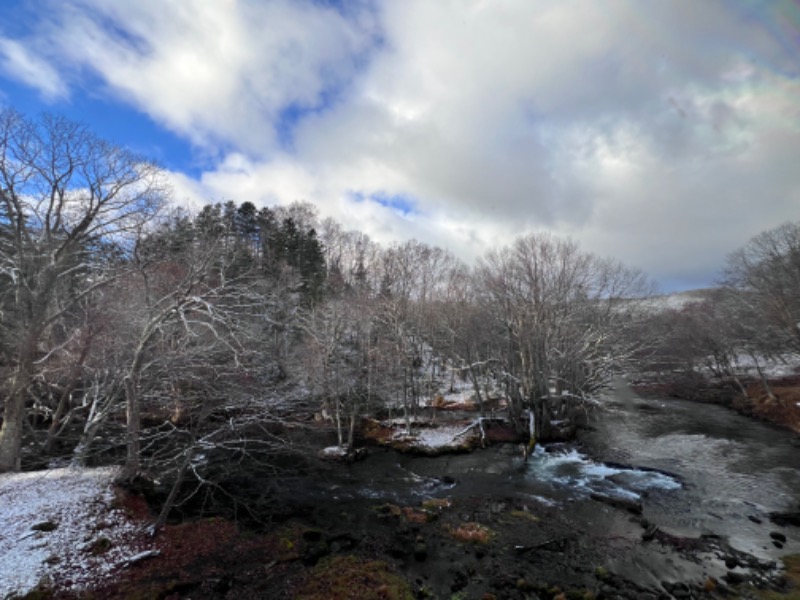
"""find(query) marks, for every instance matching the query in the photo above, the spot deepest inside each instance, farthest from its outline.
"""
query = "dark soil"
(480, 547)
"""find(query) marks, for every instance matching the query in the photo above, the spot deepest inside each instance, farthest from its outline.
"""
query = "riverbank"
(778, 402)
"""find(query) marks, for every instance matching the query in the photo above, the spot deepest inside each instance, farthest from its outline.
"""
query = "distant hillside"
(678, 300)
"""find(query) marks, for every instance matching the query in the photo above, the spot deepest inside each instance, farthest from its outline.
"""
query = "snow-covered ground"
(771, 367)
(59, 528)
(436, 438)
(675, 301)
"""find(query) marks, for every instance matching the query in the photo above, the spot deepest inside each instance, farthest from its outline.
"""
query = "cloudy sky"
(665, 134)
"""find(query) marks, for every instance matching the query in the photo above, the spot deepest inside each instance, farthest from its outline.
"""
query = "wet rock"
(315, 551)
(778, 536)
(312, 535)
(681, 591)
(649, 533)
(341, 542)
(45, 526)
(731, 562)
(608, 591)
(100, 546)
(420, 551)
(632, 506)
(785, 518)
(734, 578)
(460, 581)
(498, 507)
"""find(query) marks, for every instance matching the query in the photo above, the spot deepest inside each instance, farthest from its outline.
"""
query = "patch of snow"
(78, 502)
(460, 396)
(676, 301)
(334, 452)
(436, 437)
(771, 367)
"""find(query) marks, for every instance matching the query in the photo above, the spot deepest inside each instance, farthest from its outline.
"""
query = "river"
(732, 467)
(697, 469)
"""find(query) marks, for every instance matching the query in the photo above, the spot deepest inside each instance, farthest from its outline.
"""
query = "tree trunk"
(352, 429)
(133, 418)
(11, 431)
(80, 455)
(14, 412)
(63, 412)
(338, 417)
(173, 493)
(58, 418)
(763, 377)
(477, 388)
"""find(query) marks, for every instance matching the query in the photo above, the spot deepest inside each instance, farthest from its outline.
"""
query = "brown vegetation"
(792, 579)
(471, 532)
(782, 409)
(353, 578)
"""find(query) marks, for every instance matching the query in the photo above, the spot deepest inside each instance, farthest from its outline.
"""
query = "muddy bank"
(777, 403)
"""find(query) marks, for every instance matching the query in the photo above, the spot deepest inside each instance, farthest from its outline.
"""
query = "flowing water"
(731, 467)
(696, 469)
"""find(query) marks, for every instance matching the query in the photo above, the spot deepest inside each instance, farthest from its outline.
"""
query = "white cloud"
(214, 72)
(665, 135)
(19, 63)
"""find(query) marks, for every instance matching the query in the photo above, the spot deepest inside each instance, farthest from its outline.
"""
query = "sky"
(663, 134)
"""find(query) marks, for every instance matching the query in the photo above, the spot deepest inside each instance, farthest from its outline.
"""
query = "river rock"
(778, 536)
(420, 551)
(785, 518)
(734, 578)
(649, 533)
(681, 591)
(314, 551)
(632, 506)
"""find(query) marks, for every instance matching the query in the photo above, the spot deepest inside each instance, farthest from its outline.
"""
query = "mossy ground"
(353, 578)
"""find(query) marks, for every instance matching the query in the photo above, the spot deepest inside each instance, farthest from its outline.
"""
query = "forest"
(187, 344)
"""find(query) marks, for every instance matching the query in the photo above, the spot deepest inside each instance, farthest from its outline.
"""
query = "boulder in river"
(785, 518)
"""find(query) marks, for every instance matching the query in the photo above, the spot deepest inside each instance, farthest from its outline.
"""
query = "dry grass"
(525, 516)
(414, 515)
(353, 578)
(783, 409)
(471, 533)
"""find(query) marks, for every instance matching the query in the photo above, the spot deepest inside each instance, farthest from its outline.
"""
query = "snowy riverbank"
(60, 528)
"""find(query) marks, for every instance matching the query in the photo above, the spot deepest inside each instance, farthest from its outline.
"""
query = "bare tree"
(562, 312)
(70, 204)
(766, 275)
(339, 361)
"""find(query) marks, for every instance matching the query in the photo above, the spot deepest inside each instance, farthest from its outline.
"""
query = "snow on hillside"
(59, 528)
(675, 301)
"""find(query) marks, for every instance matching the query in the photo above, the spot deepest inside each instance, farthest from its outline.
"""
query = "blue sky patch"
(399, 203)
